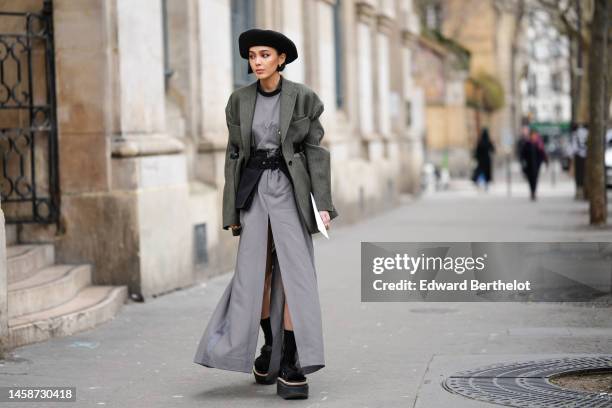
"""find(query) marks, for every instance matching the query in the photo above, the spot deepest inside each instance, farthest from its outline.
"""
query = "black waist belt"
(259, 160)
(265, 159)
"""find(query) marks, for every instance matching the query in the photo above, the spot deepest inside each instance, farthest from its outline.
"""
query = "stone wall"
(142, 155)
(3, 290)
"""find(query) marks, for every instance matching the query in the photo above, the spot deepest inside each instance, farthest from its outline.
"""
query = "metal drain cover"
(526, 384)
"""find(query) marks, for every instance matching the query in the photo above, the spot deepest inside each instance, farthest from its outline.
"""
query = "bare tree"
(598, 98)
(573, 18)
(609, 72)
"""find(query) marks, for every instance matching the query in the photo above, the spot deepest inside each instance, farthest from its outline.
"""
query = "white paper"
(320, 224)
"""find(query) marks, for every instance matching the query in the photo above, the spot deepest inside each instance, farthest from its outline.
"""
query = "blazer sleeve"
(318, 159)
(230, 214)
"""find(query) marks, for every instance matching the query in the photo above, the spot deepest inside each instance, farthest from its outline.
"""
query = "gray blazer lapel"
(247, 109)
(287, 102)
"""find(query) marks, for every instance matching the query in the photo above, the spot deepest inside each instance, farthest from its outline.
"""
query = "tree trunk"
(584, 88)
(608, 97)
(609, 72)
(583, 110)
(573, 65)
(519, 13)
(583, 38)
(585, 13)
(597, 96)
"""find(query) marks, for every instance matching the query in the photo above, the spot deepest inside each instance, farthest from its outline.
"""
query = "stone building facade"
(545, 85)
(439, 71)
(136, 119)
(489, 29)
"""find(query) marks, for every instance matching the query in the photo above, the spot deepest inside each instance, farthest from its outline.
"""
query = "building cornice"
(385, 23)
(365, 11)
(145, 145)
(408, 37)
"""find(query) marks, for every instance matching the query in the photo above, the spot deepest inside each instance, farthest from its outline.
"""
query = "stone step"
(49, 287)
(92, 306)
(23, 261)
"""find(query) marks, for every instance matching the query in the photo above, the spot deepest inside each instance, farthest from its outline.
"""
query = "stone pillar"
(3, 290)
(349, 146)
(293, 27)
(326, 64)
(147, 164)
(183, 118)
(214, 50)
(83, 57)
(216, 85)
(383, 26)
(123, 179)
(268, 14)
(387, 101)
(411, 137)
(383, 79)
(365, 13)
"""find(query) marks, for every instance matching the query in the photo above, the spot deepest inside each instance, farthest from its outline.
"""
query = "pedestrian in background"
(524, 137)
(532, 156)
(483, 155)
(580, 134)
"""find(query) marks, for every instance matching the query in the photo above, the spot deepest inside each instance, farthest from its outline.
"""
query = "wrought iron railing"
(29, 181)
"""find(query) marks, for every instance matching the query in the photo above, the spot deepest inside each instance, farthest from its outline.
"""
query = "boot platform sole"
(260, 378)
(289, 390)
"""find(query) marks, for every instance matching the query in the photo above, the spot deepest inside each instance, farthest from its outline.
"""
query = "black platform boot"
(291, 383)
(262, 363)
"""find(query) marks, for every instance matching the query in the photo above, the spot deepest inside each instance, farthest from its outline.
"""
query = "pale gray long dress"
(230, 339)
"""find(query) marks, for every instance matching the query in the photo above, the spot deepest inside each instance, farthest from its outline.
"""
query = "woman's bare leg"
(265, 307)
(287, 320)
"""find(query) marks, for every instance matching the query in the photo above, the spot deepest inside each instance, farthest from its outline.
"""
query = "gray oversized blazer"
(299, 125)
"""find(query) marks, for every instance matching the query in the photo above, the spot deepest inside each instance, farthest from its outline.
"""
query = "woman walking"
(532, 156)
(482, 154)
(273, 162)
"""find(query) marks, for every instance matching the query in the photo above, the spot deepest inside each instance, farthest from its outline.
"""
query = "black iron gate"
(29, 186)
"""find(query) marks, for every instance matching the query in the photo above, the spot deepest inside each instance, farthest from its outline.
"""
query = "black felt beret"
(270, 38)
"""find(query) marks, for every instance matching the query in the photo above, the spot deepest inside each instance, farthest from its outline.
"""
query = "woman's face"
(264, 60)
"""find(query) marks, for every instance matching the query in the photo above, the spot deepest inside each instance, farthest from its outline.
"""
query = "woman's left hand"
(325, 217)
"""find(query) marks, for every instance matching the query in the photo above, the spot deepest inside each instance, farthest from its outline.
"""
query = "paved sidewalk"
(377, 354)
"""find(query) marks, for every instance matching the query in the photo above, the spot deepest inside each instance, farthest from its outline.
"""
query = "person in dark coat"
(532, 156)
(523, 137)
(482, 154)
(580, 134)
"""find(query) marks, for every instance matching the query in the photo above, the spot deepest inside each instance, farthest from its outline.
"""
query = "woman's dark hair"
(281, 66)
